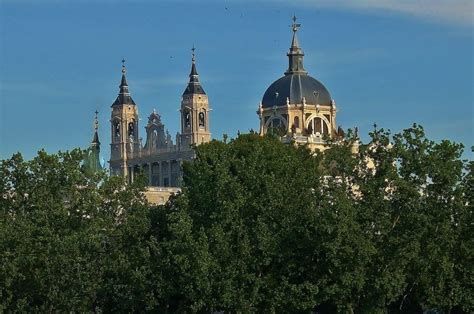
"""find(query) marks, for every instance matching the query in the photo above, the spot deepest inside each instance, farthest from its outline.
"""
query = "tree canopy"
(259, 226)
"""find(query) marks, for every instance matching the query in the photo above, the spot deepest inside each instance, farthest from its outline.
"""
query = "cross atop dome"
(295, 56)
(295, 26)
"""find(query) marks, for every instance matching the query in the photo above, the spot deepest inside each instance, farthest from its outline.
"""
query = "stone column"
(169, 172)
(149, 174)
(194, 126)
(160, 174)
(180, 172)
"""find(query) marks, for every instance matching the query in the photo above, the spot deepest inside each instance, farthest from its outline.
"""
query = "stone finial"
(96, 121)
(123, 66)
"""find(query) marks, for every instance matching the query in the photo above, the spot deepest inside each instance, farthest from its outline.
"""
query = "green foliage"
(259, 226)
(56, 227)
(289, 230)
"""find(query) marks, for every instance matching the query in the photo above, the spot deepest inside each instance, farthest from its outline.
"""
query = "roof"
(295, 87)
(194, 86)
(95, 139)
(123, 97)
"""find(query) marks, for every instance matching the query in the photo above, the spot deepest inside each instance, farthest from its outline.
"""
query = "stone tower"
(125, 143)
(194, 111)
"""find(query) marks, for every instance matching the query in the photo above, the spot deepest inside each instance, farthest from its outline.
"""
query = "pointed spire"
(92, 159)
(295, 27)
(194, 86)
(295, 56)
(124, 94)
(123, 83)
(193, 66)
(95, 139)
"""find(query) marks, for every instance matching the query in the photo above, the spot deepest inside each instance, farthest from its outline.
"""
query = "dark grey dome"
(295, 87)
(296, 83)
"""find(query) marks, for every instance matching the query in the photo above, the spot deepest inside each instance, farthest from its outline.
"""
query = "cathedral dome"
(294, 87)
(296, 84)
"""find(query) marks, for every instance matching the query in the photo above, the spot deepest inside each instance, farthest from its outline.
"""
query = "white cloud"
(452, 11)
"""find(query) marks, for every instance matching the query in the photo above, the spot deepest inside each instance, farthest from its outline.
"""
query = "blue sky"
(385, 61)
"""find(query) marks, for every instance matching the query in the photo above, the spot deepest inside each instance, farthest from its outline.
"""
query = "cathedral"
(158, 157)
(297, 107)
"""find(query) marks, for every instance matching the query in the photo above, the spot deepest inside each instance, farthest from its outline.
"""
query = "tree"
(259, 226)
(56, 225)
(289, 230)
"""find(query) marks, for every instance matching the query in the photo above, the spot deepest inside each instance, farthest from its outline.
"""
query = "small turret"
(92, 160)
(295, 56)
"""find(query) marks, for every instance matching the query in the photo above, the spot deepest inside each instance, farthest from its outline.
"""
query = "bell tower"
(194, 111)
(125, 143)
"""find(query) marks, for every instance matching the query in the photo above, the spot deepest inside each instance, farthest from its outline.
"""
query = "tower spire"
(194, 86)
(124, 94)
(123, 83)
(295, 55)
(95, 139)
(92, 160)
(193, 75)
(295, 27)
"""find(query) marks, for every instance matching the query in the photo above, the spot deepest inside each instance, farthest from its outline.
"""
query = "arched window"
(202, 119)
(131, 129)
(116, 130)
(296, 122)
(276, 125)
(318, 126)
(186, 118)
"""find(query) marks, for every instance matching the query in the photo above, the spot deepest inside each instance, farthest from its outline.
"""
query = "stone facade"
(301, 123)
(158, 158)
(159, 195)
